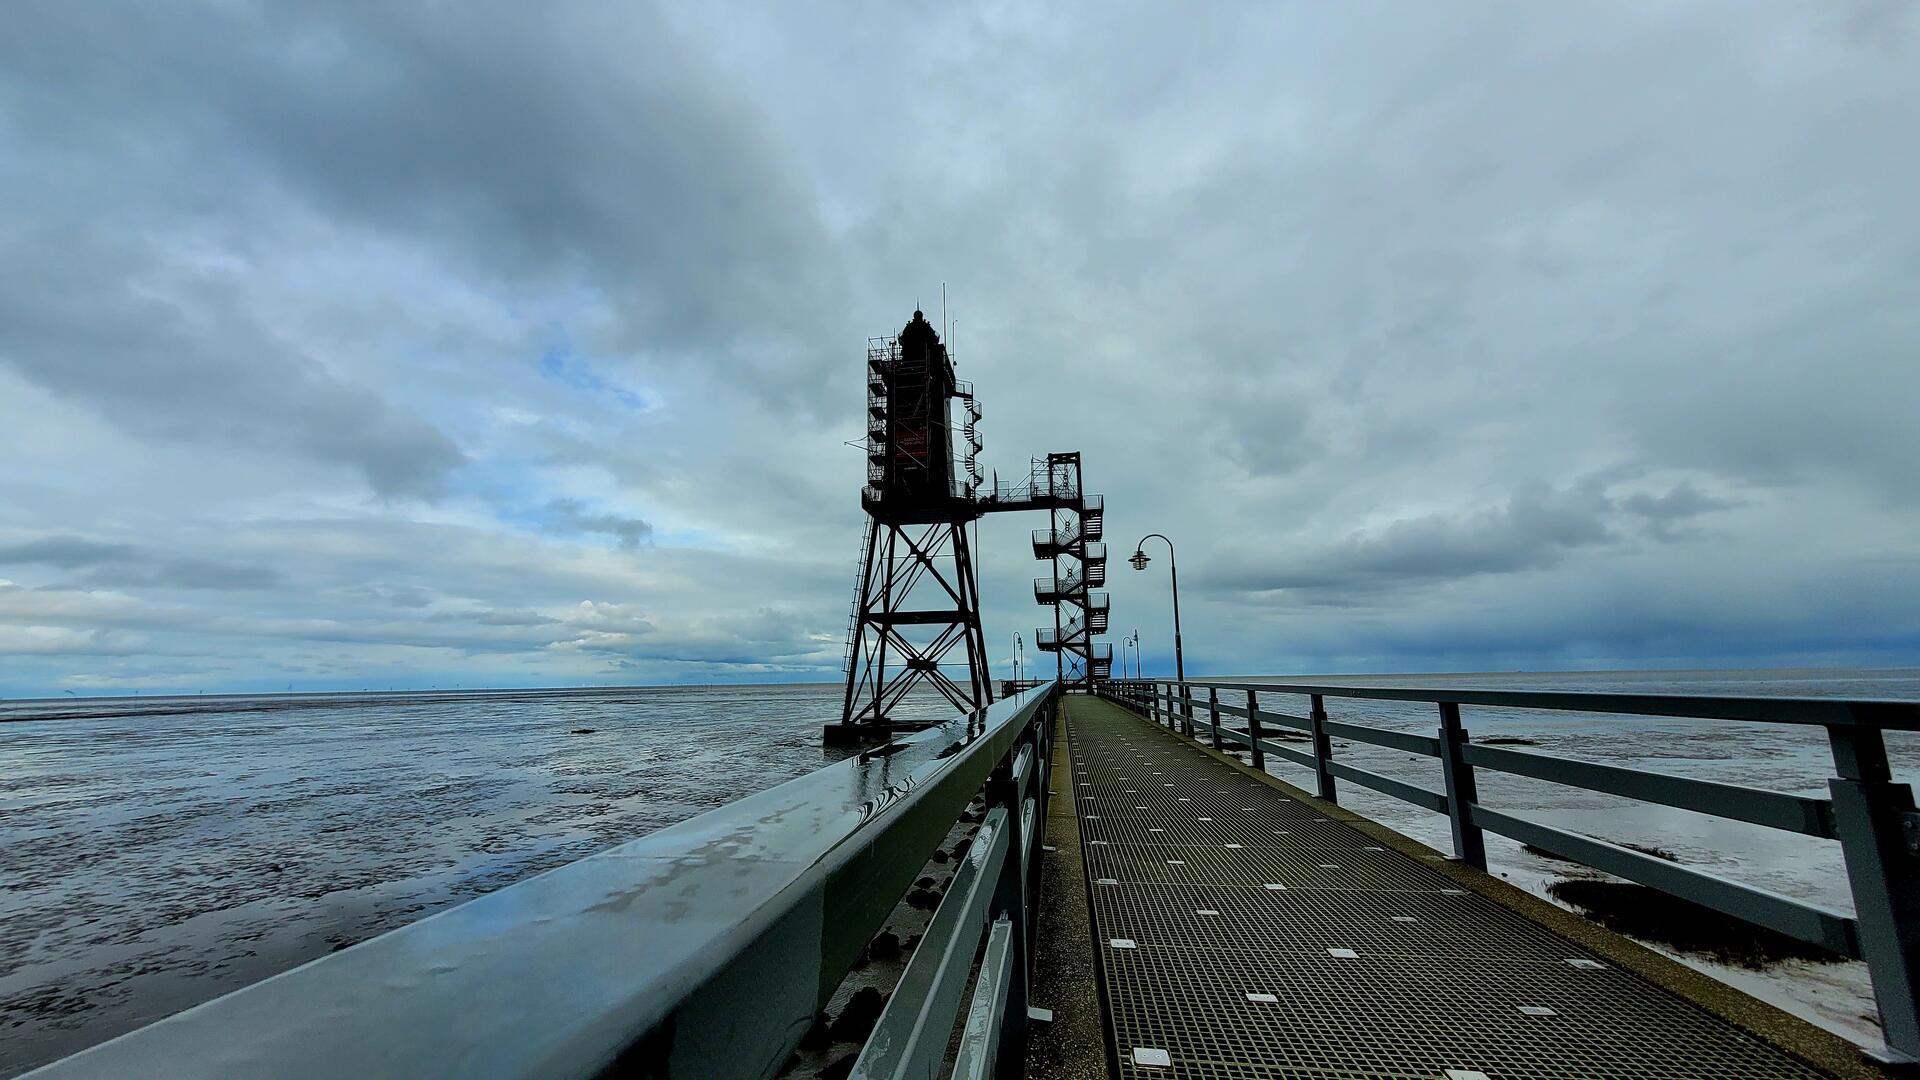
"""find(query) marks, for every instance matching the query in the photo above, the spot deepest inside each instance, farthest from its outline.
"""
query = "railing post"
(1878, 836)
(1253, 732)
(1322, 750)
(1213, 714)
(1186, 710)
(1469, 844)
(1156, 703)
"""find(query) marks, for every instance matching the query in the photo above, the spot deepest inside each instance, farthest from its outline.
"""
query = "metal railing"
(705, 949)
(1871, 816)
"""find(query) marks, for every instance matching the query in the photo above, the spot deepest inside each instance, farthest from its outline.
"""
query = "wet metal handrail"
(705, 949)
(1871, 816)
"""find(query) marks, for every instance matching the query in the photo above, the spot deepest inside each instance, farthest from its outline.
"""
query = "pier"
(1110, 891)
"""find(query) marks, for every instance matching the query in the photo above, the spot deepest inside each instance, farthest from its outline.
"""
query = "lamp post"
(1018, 648)
(1135, 642)
(1139, 561)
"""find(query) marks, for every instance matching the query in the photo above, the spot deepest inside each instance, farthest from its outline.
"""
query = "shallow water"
(160, 852)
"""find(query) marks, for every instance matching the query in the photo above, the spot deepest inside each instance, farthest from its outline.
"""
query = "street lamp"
(1139, 561)
(1018, 648)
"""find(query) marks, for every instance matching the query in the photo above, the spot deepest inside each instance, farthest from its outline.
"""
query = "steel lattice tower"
(915, 618)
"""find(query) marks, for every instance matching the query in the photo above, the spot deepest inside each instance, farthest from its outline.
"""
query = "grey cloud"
(1263, 430)
(492, 617)
(571, 516)
(65, 641)
(761, 637)
(400, 596)
(67, 552)
(129, 565)
(578, 149)
(1535, 529)
(204, 574)
(1683, 503)
(196, 367)
(1302, 306)
(580, 144)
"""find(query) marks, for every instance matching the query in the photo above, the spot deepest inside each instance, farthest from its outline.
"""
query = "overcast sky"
(507, 344)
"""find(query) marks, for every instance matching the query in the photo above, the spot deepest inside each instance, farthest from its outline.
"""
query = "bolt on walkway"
(1240, 933)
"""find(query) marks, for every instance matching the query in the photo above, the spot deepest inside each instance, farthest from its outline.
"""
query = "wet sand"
(158, 860)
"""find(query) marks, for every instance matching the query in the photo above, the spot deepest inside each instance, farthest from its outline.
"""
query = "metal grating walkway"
(1241, 934)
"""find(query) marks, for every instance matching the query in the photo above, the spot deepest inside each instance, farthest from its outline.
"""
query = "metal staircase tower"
(1073, 550)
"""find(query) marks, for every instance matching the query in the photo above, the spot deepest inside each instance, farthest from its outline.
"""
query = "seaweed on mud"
(1651, 915)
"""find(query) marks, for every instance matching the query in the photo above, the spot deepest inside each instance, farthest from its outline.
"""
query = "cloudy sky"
(507, 344)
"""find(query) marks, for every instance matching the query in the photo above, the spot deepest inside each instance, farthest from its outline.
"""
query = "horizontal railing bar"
(1818, 926)
(1418, 796)
(1396, 740)
(911, 1036)
(1793, 813)
(1899, 715)
(1280, 718)
(1298, 757)
(1299, 723)
(1022, 772)
(980, 1039)
(1027, 817)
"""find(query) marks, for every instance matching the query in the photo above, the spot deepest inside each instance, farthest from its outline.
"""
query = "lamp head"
(1139, 559)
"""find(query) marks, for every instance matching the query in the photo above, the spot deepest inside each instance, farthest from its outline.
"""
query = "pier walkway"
(1241, 932)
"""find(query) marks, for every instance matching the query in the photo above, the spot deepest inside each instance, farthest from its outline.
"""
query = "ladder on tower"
(853, 605)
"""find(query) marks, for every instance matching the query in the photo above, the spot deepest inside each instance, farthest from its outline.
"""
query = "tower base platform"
(845, 734)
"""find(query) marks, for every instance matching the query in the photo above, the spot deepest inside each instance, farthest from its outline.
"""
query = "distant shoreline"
(20, 710)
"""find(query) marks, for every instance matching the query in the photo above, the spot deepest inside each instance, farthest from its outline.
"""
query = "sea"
(159, 852)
